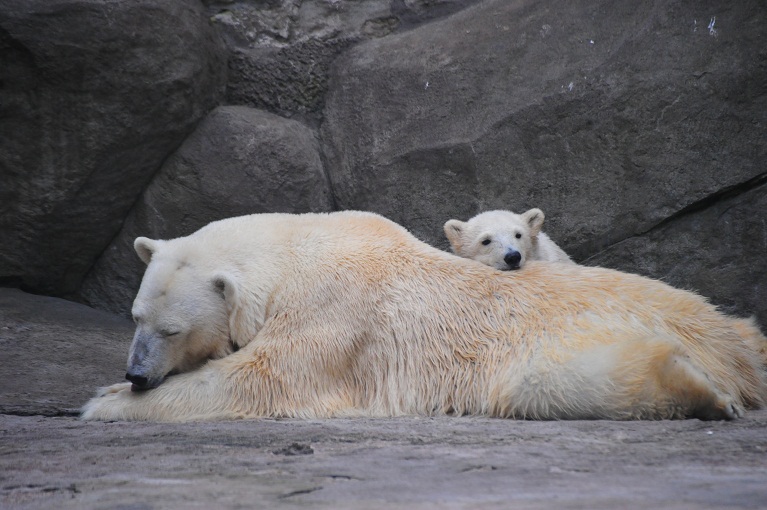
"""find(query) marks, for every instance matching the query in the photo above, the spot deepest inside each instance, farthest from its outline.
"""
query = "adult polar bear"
(348, 314)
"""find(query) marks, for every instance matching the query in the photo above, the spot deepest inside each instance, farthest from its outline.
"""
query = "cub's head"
(181, 311)
(500, 239)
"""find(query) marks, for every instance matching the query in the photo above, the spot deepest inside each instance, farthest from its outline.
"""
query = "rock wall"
(639, 127)
(281, 50)
(626, 122)
(94, 95)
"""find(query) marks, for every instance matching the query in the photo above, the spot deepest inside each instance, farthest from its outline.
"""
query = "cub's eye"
(485, 242)
(518, 236)
(167, 333)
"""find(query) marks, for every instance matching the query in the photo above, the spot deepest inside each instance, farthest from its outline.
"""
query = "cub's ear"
(145, 248)
(226, 286)
(534, 219)
(454, 230)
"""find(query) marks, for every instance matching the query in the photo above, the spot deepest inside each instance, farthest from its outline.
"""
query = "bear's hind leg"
(691, 392)
(644, 378)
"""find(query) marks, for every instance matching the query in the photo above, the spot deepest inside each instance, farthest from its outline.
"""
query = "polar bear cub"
(503, 240)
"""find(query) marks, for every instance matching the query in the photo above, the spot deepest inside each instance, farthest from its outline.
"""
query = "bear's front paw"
(115, 388)
(110, 403)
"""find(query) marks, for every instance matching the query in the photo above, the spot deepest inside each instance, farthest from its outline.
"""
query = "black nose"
(138, 380)
(512, 258)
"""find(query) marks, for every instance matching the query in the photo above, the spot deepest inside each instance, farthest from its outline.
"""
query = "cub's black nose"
(512, 259)
(138, 380)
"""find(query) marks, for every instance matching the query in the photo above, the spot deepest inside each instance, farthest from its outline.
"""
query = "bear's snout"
(512, 259)
(141, 382)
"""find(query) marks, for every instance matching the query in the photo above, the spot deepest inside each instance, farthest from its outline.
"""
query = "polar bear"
(348, 314)
(503, 240)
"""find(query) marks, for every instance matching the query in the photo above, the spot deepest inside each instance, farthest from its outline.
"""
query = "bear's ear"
(145, 247)
(453, 231)
(226, 286)
(244, 322)
(534, 219)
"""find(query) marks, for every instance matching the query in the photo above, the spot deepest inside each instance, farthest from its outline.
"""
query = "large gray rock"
(718, 251)
(613, 117)
(238, 161)
(55, 353)
(289, 81)
(95, 94)
(281, 50)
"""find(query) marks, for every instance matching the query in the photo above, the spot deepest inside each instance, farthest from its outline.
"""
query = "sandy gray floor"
(59, 462)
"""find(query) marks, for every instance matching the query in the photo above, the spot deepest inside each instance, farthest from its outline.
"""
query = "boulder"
(538, 103)
(281, 50)
(628, 123)
(95, 94)
(238, 161)
(55, 353)
(290, 80)
(717, 250)
(613, 117)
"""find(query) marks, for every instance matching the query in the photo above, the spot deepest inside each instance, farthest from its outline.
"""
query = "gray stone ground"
(60, 462)
(54, 353)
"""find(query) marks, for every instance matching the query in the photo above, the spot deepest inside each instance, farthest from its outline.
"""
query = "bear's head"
(500, 239)
(182, 312)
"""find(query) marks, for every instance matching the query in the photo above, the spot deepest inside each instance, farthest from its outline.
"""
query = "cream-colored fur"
(347, 314)
(503, 239)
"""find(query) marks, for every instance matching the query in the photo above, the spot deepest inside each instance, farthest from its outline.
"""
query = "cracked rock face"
(638, 127)
(281, 50)
(609, 116)
(714, 250)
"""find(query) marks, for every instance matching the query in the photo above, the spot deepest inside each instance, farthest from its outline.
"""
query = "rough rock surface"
(238, 161)
(55, 353)
(625, 121)
(421, 463)
(94, 94)
(281, 50)
(613, 117)
(707, 249)
(617, 106)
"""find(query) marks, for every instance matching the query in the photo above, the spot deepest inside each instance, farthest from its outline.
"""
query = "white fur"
(348, 314)
(503, 239)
